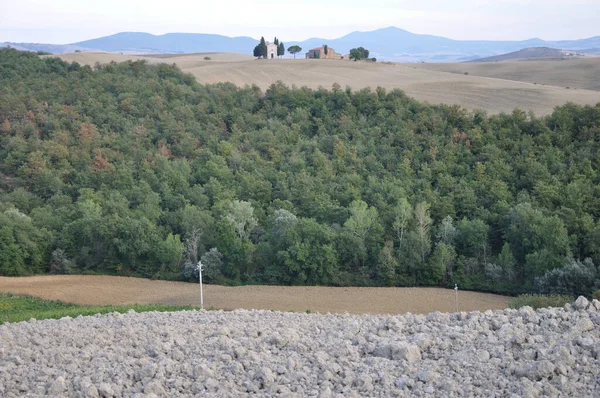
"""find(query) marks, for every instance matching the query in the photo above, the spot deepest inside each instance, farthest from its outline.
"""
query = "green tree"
(24, 247)
(241, 217)
(310, 257)
(507, 262)
(280, 50)
(12, 258)
(403, 213)
(294, 50)
(539, 243)
(423, 221)
(171, 252)
(387, 264)
(472, 242)
(260, 51)
(441, 262)
(213, 265)
(106, 162)
(447, 232)
(362, 218)
(358, 54)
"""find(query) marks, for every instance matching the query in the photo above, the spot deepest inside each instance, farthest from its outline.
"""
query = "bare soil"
(493, 91)
(103, 290)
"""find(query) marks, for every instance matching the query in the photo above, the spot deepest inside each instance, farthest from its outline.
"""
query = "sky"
(69, 21)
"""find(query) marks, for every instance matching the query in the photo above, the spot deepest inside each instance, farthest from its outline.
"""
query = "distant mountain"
(133, 42)
(591, 51)
(397, 44)
(388, 44)
(48, 48)
(531, 53)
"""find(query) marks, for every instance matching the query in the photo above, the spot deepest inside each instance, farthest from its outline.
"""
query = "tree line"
(137, 169)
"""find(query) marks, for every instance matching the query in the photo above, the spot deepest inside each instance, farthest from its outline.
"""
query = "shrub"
(494, 272)
(207, 58)
(213, 263)
(189, 272)
(540, 300)
(574, 279)
(60, 264)
(596, 295)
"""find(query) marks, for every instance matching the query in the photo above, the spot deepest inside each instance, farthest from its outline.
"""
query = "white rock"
(581, 303)
(508, 353)
(58, 386)
(585, 325)
(105, 390)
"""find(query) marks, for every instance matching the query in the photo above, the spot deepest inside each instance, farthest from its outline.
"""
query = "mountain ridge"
(388, 44)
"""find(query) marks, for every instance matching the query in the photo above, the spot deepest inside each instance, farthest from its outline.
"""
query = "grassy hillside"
(579, 73)
(137, 169)
(530, 53)
(416, 80)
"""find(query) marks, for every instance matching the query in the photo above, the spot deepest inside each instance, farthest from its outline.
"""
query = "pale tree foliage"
(60, 263)
(241, 216)
(171, 251)
(442, 261)
(403, 214)
(423, 226)
(15, 214)
(213, 263)
(192, 244)
(507, 261)
(284, 220)
(387, 264)
(447, 232)
(362, 218)
(493, 272)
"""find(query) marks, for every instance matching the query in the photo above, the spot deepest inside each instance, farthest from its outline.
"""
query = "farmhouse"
(323, 52)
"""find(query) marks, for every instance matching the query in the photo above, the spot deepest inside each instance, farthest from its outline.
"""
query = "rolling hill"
(531, 53)
(576, 72)
(389, 44)
(494, 95)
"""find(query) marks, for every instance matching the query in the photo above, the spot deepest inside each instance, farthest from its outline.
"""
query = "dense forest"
(136, 169)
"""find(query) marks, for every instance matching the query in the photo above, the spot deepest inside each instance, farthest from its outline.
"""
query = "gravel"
(520, 353)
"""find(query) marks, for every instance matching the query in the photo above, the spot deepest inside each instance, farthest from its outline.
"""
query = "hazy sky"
(68, 21)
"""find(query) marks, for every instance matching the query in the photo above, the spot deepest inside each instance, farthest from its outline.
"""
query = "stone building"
(319, 53)
(271, 50)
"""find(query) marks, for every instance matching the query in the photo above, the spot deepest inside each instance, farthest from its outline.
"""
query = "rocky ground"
(524, 353)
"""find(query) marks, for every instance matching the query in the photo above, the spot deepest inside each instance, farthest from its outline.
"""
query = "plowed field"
(101, 290)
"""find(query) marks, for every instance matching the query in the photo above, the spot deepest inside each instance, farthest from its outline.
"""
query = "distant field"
(426, 82)
(574, 73)
(113, 290)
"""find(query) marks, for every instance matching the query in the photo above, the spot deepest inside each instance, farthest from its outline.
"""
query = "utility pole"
(456, 296)
(200, 278)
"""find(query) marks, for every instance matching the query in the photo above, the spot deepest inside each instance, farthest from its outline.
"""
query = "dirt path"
(100, 290)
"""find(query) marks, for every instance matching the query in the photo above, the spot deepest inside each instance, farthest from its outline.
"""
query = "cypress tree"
(263, 47)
